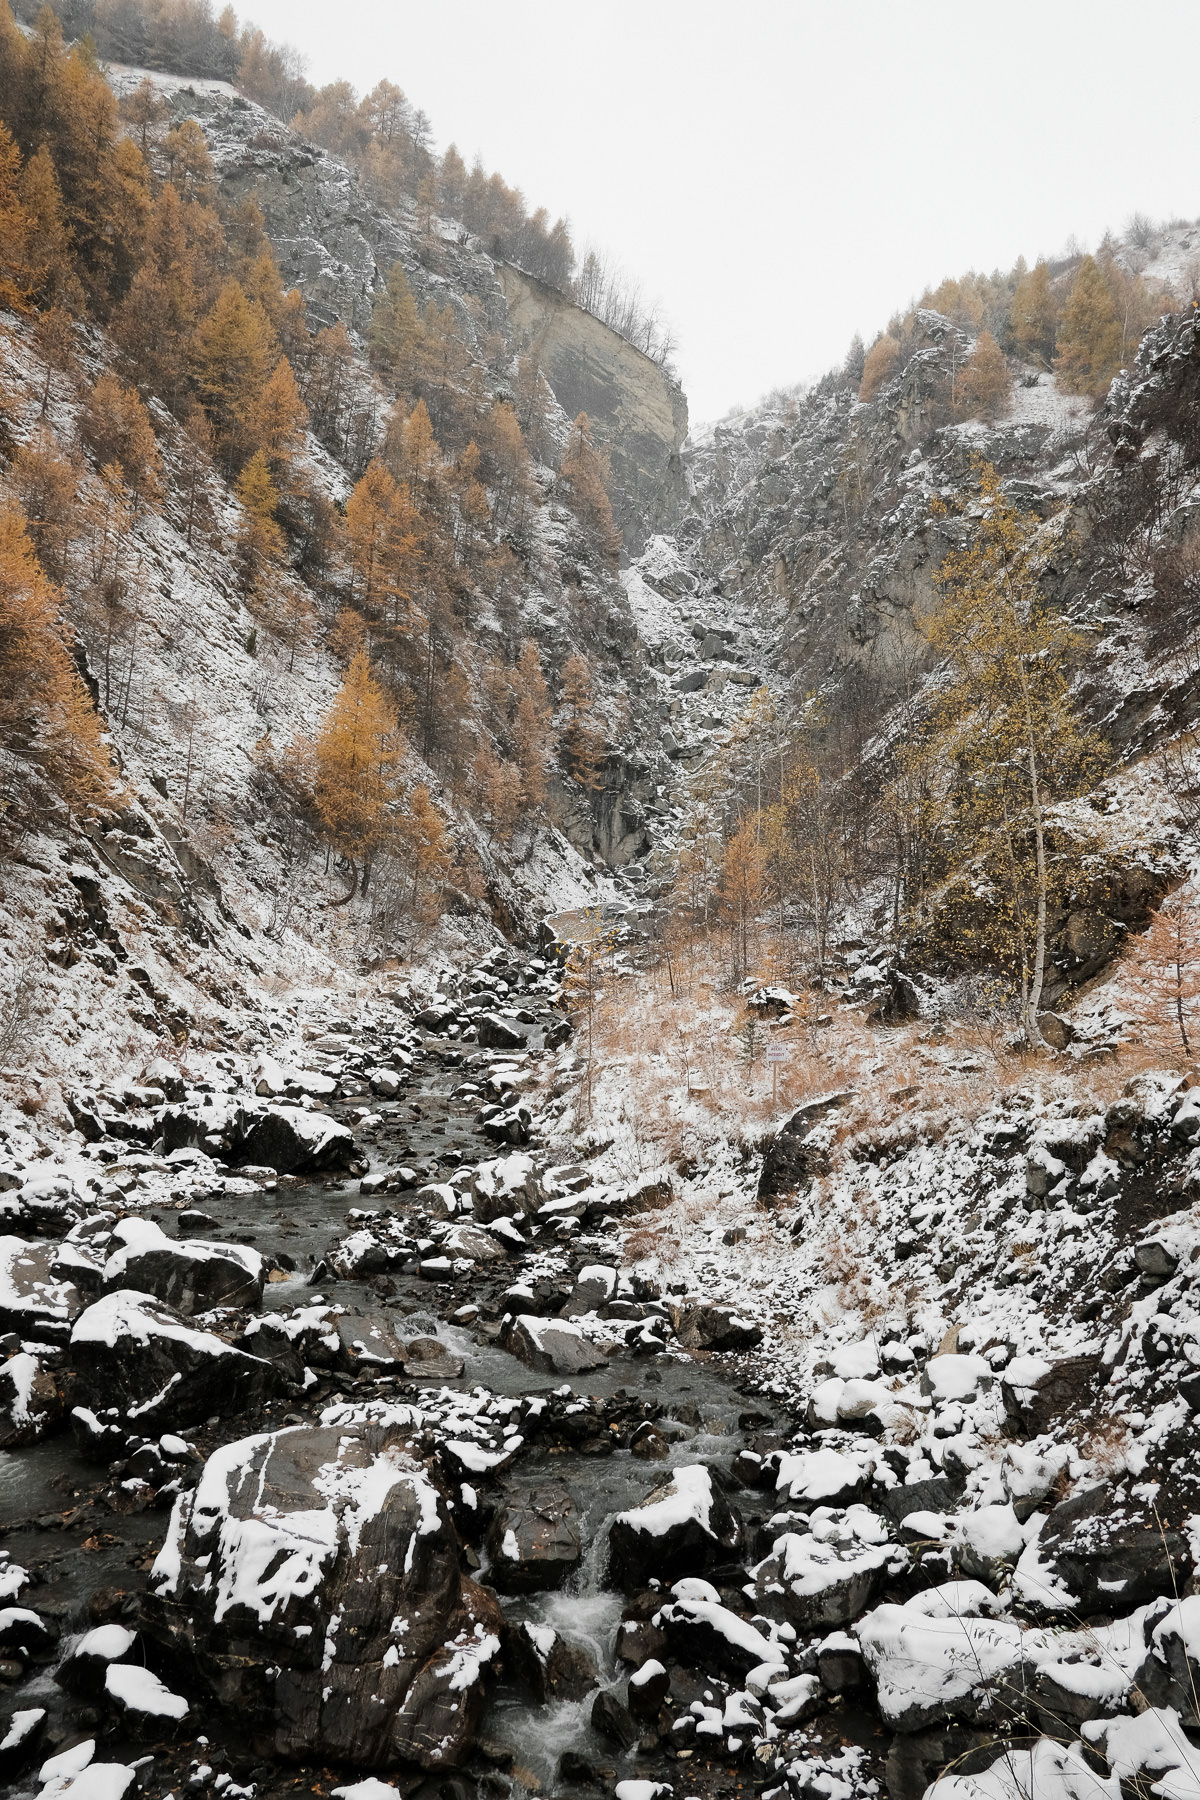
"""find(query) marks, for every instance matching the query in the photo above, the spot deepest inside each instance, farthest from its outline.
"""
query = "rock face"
(632, 402)
(312, 1581)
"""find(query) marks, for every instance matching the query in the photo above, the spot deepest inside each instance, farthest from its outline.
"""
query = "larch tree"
(426, 842)
(1164, 969)
(985, 385)
(116, 428)
(1006, 732)
(1090, 334)
(879, 365)
(354, 759)
(741, 891)
(233, 351)
(1033, 317)
(395, 332)
(260, 538)
(584, 473)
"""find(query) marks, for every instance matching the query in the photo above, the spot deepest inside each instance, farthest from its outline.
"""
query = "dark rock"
(31, 1400)
(648, 1689)
(639, 1642)
(191, 1277)
(25, 1634)
(21, 1737)
(1108, 1552)
(1064, 1391)
(704, 1633)
(292, 1140)
(613, 1721)
(534, 1541)
(83, 1670)
(550, 1346)
(704, 1327)
(840, 1664)
(312, 1582)
(195, 1224)
(136, 1358)
(542, 1661)
(684, 1527)
(500, 1031)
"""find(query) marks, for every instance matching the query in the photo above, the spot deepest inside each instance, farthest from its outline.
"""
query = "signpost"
(776, 1053)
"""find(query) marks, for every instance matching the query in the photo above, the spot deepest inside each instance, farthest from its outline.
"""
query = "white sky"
(782, 175)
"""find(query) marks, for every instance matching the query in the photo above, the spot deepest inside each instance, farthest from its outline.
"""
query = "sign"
(776, 1053)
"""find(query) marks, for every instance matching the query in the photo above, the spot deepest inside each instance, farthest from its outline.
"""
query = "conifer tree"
(584, 471)
(985, 385)
(354, 765)
(1090, 334)
(232, 351)
(426, 841)
(879, 365)
(1006, 731)
(260, 540)
(47, 241)
(395, 331)
(116, 427)
(382, 543)
(1033, 317)
(740, 892)
(280, 420)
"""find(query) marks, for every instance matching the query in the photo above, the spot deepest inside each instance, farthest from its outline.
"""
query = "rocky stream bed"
(342, 1454)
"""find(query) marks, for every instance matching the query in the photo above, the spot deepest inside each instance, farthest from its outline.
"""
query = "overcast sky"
(783, 175)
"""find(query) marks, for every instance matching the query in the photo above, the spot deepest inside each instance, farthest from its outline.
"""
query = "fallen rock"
(192, 1277)
(84, 1670)
(943, 1656)
(135, 1359)
(685, 1525)
(534, 1540)
(35, 1302)
(500, 1031)
(551, 1346)
(545, 1664)
(312, 1580)
(292, 1140)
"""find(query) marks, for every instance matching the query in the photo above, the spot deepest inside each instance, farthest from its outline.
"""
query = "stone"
(368, 1340)
(135, 1358)
(31, 1400)
(84, 1669)
(703, 1633)
(192, 1277)
(684, 1526)
(648, 1689)
(594, 1288)
(34, 1300)
(614, 1721)
(552, 1347)
(705, 1327)
(1101, 1551)
(326, 1555)
(500, 1031)
(547, 1666)
(534, 1541)
(292, 1141)
(428, 1359)
(195, 1224)
(21, 1738)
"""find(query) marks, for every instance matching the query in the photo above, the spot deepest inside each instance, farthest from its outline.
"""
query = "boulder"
(21, 1737)
(943, 1656)
(135, 1358)
(703, 1327)
(544, 1663)
(367, 1339)
(1099, 1551)
(648, 1689)
(614, 1721)
(312, 1581)
(192, 1277)
(594, 1288)
(551, 1346)
(704, 1633)
(84, 1670)
(684, 1526)
(428, 1359)
(31, 1400)
(500, 1031)
(146, 1705)
(34, 1299)
(295, 1141)
(818, 1579)
(534, 1541)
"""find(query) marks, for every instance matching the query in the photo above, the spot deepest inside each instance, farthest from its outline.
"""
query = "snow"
(689, 1496)
(1049, 1770)
(697, 1600)
(935, 1655)
(111, 1642)
(141, 1692)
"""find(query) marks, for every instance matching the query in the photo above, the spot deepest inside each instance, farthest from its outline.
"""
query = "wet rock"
(133, 1357)
(31, 1400)
(368, 1340)
(553, 1347)
(840, 1664)
(195, 1224)
(639, 1641)
(326, 1556)
(192, 1277)
(534, 1540)
(684, 1526)
(25, 1634)
(649, 1443)
(428, 1359)
(85, 1668)
(648, 1689)
(34, 1301)
(44, 1206)
(703, 1327)
(614, 1721)
(542, 1662)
